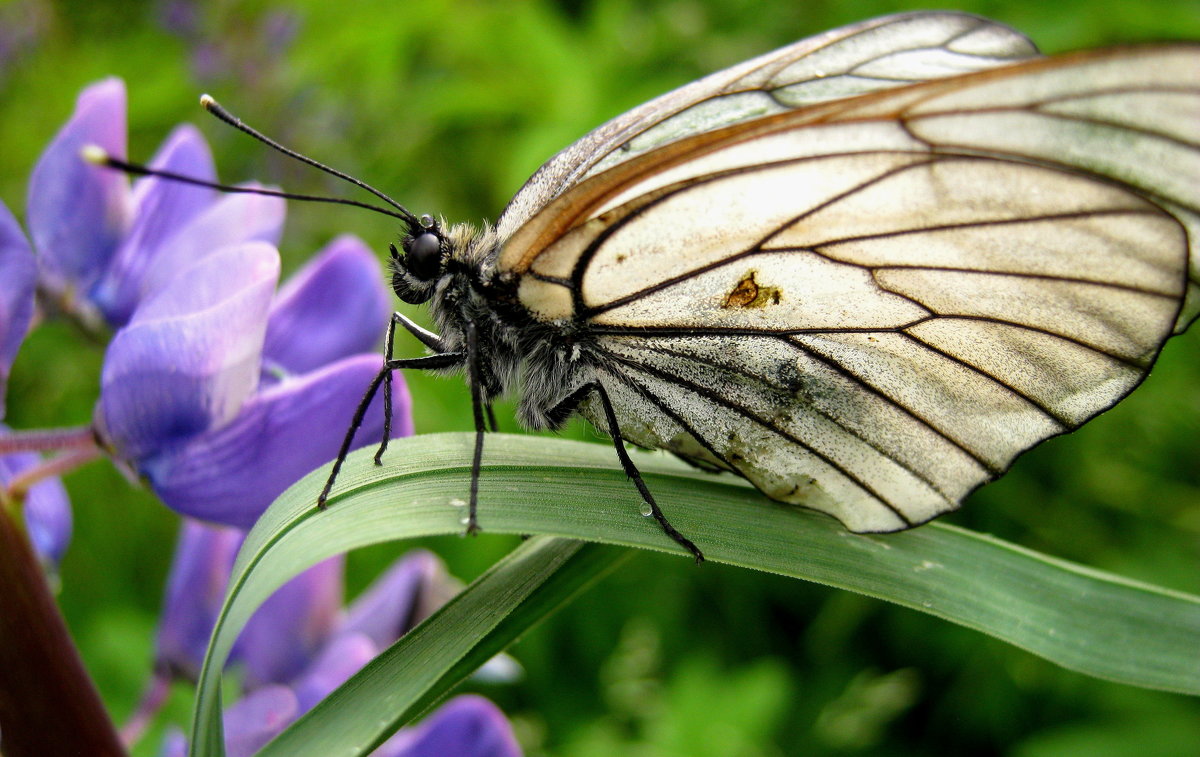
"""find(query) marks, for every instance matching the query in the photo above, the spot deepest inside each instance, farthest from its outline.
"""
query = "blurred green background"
(448, 107)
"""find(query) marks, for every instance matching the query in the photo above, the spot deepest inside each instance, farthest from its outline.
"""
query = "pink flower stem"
(47, 439)
(19, 486)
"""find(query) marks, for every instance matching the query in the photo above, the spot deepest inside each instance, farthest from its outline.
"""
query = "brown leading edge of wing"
(1173, 68)
(880, 53)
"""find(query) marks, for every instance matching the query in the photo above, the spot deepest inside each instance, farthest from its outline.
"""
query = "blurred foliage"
(449, 106)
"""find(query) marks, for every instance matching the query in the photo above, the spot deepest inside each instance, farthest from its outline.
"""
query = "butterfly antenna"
(215, 108)
(97, 155)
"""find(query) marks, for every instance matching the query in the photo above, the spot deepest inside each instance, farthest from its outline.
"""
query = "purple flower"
(46, 508)
(103, 246)
(78, 213)
(222, 395)
(466, 726)
(16, 293)
(195, 587)
(301, 645)
(217, 391)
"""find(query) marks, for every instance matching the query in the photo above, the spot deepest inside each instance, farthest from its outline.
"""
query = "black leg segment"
(560, 412)
(477, 411)
(444, 360)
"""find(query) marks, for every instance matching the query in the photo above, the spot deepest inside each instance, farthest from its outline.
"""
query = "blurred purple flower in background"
(301, 645)
(23, 23)
(245, 46)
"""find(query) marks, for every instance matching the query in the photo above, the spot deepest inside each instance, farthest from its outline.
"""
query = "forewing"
(866, 57)
(871, 307)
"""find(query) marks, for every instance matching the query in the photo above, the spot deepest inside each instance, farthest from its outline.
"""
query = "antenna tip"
(94, 154)
(207, 102)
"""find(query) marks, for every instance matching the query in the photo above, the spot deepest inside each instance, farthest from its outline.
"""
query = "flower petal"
(195, 588)
(230, 220)
(230, 474)
(249, 723)
(284, 635)
(256, 719)
(340, 659)
(16, 293)
(47, 508)
(190, 355)
(399, 599)
(78, 212)
(466, 726)
(334, 307)
(162, 208)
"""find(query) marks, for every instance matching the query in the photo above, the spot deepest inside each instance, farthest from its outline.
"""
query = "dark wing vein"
(816, 249)
(666, 410)
(840, 369)
(667, 332)
(585, 258)
(745, 412)
(870, 388)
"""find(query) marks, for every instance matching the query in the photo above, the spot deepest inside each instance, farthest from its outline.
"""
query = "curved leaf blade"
(1077, 617)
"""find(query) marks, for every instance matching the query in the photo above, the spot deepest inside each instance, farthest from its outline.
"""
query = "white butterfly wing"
(866, 57)
(872, 306)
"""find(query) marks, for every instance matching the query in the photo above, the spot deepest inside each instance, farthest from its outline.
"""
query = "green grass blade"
(1082, 619)
(536, 578)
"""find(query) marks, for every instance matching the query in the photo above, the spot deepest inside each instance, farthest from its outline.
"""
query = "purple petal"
(190, 356)
(334, 307)
(249, 723)
(340, 659)
(230, 220)
(174, 744)
(78, 212)
(258, 718)
(162, 208)
(47, 508)
(286, 632)
(231, 474)
(195, 588)
(399, 599)
(16, 293)
(466, 726)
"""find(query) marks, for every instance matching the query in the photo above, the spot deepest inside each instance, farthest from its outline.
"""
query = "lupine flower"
(245, 48)
(16, 293)
(47, 511)
(102, 245)
(22, 25)
(300, 645)
(215, 390)
(198, 391)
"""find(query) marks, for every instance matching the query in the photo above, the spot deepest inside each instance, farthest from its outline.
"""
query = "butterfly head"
(417, 269)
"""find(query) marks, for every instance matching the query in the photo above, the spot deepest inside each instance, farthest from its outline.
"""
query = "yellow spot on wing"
(750, 294)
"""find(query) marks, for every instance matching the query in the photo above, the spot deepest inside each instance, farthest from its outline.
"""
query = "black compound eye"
(425, 256)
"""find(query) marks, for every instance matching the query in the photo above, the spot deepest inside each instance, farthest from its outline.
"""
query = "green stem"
(48, 704)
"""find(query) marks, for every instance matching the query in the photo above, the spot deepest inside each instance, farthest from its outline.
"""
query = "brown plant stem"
(48, 704)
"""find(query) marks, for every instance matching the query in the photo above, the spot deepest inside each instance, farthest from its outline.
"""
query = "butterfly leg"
(426, 337)
(443, 360)
(477, 410)
(559, 414)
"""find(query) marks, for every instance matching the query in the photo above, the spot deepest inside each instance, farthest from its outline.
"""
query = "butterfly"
(864, 272)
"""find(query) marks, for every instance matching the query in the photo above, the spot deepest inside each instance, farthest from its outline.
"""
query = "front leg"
(429, 362)
(563, 410)
(427, 338)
